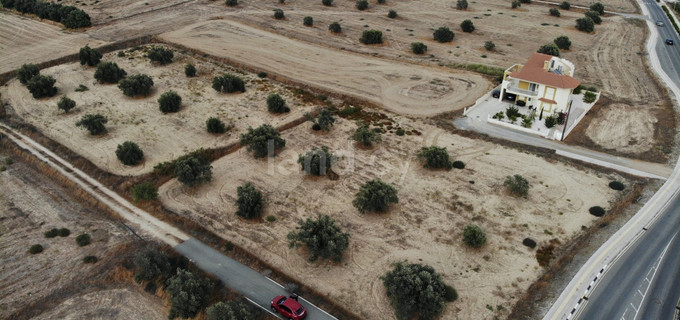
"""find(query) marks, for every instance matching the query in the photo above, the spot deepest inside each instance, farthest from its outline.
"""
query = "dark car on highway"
(289, 307)
(669, 42)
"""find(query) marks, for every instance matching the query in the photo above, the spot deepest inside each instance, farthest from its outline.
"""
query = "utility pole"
(566, 120)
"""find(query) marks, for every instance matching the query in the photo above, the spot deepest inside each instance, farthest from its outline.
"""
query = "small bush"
(597, 7)
(317, 161)
(550, 49)
(381, 1)
(371, 37)
(527, 121)
(26, 72)
(418, 47)
(554, 12)
(596, 211)
(63, 232)
(578, 89)
(90, 259)
(169, 102)
(308, 21)
(517, 185)
(391, 14)
(276, 104)
(81, 88)
(617, 185)
(525, 1)
(443, 34)
(458, 164)
(161, 55)
(585, 24)
(489, 45)
(565, 5)
(271, 218)
(35, 249)
(550, 121)
(258, 140)
(66, 104)
(278, 14)
(562, 42)
(467, 26)
(450, 294)
(109, 72)
(231, 3)
(365, 136)
(144, 191)
(400, 132)
(94, 123)
(215, 125)
(41, 86)
(228, 83)
(462, 5)
(52, 233)
(589, 97)
(323, 121)
(89, 56)
(516, 4)
(190, 70)
(415, 291)
(83, 239)
(593, 15)
(375, 195)
(529, 243)
(261, 74)
(322, 237)
(335, 27)
(362, 4)
(474, 236)
(193, 171)
(327, 3)
(129, 153)
(139, 84)
(435, 157)
(249, 201)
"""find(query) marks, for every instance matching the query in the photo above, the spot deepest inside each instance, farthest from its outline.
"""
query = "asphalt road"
(643, 283)
(257, 288)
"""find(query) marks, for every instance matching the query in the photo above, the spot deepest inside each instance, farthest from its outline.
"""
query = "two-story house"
(545, 82)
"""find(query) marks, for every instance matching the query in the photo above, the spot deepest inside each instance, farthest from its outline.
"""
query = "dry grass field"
(424, 227)
(161, 136)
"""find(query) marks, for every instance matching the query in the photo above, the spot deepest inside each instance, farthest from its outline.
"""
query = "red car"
(289, 307)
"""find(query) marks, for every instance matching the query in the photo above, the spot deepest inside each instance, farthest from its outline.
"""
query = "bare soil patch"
(639, 123)
(426, 225)
(162, 137)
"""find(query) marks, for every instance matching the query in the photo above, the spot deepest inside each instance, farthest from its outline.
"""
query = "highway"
(642, 282)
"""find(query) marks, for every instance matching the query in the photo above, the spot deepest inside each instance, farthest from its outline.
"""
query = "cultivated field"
(162, 137)
(425, 226)
(31, 204)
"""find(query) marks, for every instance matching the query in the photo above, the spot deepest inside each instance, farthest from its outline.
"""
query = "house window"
(532, 86)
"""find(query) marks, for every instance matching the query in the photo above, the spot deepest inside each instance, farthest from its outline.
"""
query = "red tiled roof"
(533, 71)
(547, 100)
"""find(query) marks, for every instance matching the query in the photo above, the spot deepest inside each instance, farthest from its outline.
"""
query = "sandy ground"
(30, 205)
(161, 137)
(404, 89)
(627, 6)
(639, 124)
(24, 40)
(424, 227)
(121, 304)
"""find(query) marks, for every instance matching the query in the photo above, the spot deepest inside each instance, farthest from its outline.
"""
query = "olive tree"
(435, 157)
(462, 5)
(371, 37)
(562, 42)
(565, 5)
(193, 171)
(228, 83)
(365, 136)
(554, 12)
(109, 72)
(517, 185)
(215, 125)
(418, 47)
(89, 56)
(415, 291)
(443, 34)
(41, 86)
(263, 140)
(593, 15)
(585, 24)
(249, 201)
(362, 4)
(317, 161)
(144, 191)
(230, 310)
(137, 85)
(474, 236)
(151, 264)
(160, 55)
(375, 195)
(26, 72)
(129, 153)
(322, 237)
(189, 293)
(597, 7)
(550, 49)
(335, 27)
(276, 104)
(323, 121)
(94, 123)
(189, 70)
(66, 104)
(169, 101)
(467, 26)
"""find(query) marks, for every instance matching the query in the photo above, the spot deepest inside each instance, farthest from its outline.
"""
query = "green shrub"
(435, 157)
(193, 171)
(597, 211)
(592, 89)
(474, 236)
(189, 293)
(83, 239)
(371, 37)
(261, 74)
(365, 136)
(230, 310)
(26, 72)
(231, 3)
(66, 104)
(565, 5)
(617, 185)
(271, 218)
(250, 201)
(578, 89)
(554, 12)
(76, 19)
(516, 4)
(391, 14)
(258, 140)
(169, 102)
(489, 45)
(278, 14)
(550, 49)
(308, 21)
(362, 4)
(276, 104)
(89, 56)
(443, 34)
(517, 185)
(527, 121)
(129, 153)
(94, 123)
(52, 233)
(415, 291)
(215, 125)
(562, 42)
(152, 263)
(467, 26)
(593, 15)
(550, 121)
(189, 69)
(323, 121)
(400, 132)
(450, 293)
(63, 232)
(597, 7)
(458, 164)
(418, 47)
(136, 85)
(109, 72)
(322, 237)
(228, 83)
(35, 249)
(327, 3)
(144, 191)
(335, 27)
(375, 195)
(589, 97)
(525, 1)
(317, 161)
(585, 24)
(529, 243)
(41, 86)
(81, 88)
(462, 5)
(90, 259)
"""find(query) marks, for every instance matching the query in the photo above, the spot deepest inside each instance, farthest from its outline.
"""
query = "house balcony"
(513, 87)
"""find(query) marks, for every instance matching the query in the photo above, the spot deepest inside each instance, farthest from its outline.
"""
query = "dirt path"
(405, 89)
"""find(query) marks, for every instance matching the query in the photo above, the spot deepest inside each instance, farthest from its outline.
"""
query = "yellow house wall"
(523, 85)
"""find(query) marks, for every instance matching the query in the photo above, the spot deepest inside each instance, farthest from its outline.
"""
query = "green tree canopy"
(550, 49)
(365, 136)
(26, 72)
(189, 293)
(597, 7)
(160, 55)
(562, 42)
(467, 25)
(443, 34)
(151, 264)
(322, 237)
(66, 104)
(139, 84)
(41, 86)
(317, 161)
(89, 56)
(418, 47)
(144, 191)
(593, 15)
(435, 157)
(230, 310)
(129, 153)
(109, 72)
(249, 201)
(263, 140)
(276, 104)
(193, 171)
(94, 123)
(371, 37)
(415, 291)
(517, 185)
(228, 83)
(169, 102)
(585, 24)
(474, 236)
(375, 195)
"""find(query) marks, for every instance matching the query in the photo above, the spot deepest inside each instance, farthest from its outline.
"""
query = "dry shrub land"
(162, 137)
(424, 227)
